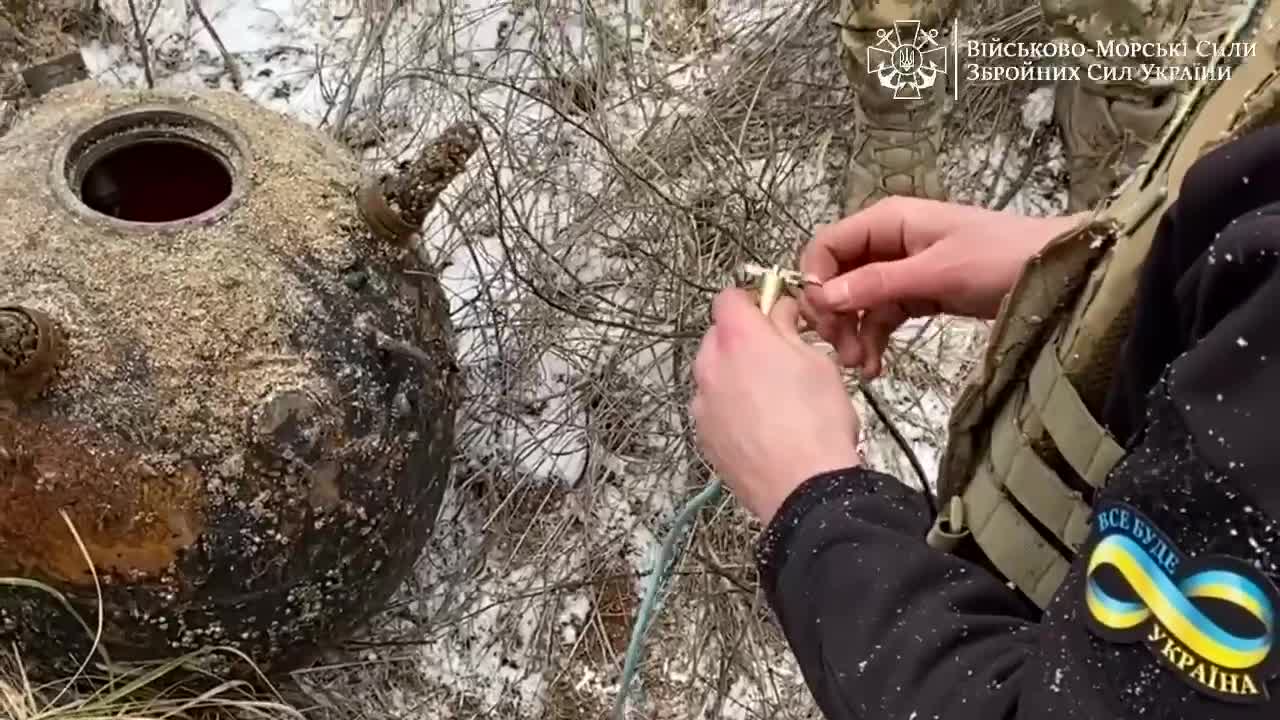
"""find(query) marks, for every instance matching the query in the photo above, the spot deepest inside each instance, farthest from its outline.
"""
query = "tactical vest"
(1025, 451)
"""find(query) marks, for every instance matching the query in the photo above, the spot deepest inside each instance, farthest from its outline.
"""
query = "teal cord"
(771, 285)
(657, 581)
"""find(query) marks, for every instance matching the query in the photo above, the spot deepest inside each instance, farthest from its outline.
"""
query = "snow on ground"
(562, 488)
(282, 46)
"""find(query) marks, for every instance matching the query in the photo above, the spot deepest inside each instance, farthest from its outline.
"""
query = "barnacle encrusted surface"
(242, 464)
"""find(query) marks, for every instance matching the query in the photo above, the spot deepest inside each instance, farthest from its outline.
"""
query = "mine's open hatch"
(152, 165)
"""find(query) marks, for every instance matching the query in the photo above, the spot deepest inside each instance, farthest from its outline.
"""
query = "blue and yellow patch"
(1211, 620)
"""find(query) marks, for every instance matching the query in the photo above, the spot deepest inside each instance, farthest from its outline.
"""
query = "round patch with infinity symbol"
(1211, 619)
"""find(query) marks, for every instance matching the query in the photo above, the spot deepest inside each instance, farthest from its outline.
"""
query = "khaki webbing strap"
(1203, 119)
(1083, 442)
(1011, 543)
(1014, 465)
(1012, 469)
(1006, 484)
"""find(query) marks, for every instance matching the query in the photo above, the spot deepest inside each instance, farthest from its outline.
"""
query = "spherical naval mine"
(243, 464)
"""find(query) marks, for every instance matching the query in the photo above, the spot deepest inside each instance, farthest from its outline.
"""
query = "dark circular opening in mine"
(156, 180)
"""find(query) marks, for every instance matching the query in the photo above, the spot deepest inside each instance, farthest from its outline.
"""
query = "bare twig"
(143, 50)
(373, 44)
(237, 80)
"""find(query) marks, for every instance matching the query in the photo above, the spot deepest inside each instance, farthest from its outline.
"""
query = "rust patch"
(133, 519)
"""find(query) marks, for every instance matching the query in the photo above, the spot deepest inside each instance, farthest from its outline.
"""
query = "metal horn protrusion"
(396, 207)
(31, 348)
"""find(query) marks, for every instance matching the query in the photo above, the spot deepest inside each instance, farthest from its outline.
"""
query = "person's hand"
(770, 410)
(908, 257)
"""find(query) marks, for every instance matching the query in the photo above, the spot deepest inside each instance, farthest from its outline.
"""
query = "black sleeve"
(885, 627)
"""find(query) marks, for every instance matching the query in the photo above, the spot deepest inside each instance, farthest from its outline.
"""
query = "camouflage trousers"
(1084, 24)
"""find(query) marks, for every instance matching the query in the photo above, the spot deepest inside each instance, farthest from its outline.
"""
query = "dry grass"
(180, 689)
(190, 687)
(619, 186)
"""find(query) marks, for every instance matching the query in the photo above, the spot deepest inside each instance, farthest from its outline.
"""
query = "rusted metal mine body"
(203, 365)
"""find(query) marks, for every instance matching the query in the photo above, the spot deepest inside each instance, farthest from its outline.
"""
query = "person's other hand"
(770, 410)
(908, 257)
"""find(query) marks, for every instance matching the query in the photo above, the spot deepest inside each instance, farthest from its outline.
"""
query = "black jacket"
(885, 627)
